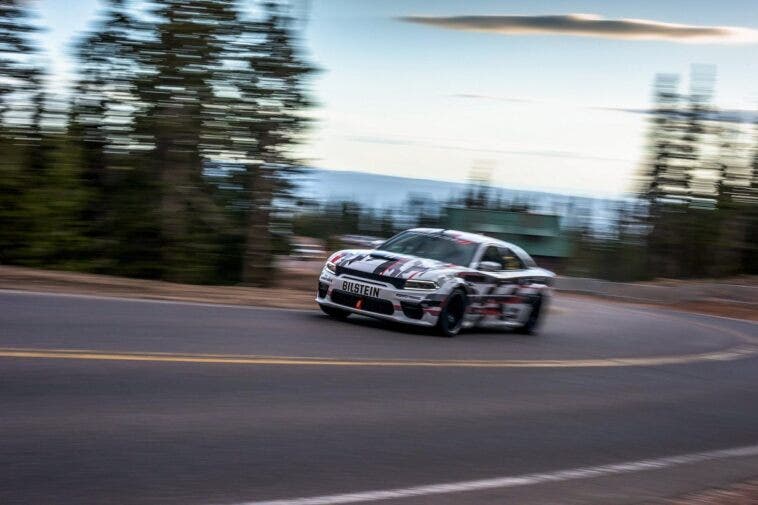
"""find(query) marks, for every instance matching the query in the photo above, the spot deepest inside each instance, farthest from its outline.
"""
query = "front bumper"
(416, 307)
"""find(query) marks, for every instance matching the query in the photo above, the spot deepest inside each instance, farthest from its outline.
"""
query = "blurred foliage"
(326, 221)
(697, 215)
(172, 159)
(173, 150)
(701, 185)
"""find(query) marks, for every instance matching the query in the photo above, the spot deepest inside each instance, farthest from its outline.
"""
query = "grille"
(395, 281)
(370, 303)
(412, 310)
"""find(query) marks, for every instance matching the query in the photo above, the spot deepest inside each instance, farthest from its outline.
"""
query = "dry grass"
(29, 279)
(743, 493)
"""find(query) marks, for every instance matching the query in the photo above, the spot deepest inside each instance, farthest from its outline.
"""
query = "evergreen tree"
(19, 127)
(119, 214)
(697, 132)
(272, 100)
(20, 75)
(664, 178)
(186, 122)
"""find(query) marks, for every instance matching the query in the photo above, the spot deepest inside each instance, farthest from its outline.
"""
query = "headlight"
(428, 285)
(331, 267)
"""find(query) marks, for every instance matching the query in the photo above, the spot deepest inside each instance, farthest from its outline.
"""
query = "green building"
(538, 234)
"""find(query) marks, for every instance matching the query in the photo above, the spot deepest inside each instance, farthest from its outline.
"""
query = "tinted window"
(433, 246)
(492, 255)
(510, 260)
(525, 258)
(504, 257)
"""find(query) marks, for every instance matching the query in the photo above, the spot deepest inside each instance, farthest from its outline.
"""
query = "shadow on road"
(407, 329)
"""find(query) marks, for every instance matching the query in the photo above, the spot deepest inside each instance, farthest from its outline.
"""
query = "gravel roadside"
(295, 290)
(742, 493)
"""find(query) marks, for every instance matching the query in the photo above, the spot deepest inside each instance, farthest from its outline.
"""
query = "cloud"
(591, 25)
(493, 97)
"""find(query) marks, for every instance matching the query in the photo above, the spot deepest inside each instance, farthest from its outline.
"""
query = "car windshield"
(433, 246)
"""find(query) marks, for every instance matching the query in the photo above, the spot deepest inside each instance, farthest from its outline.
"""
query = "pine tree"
(19, 126)
(20, 75)
(697, 133)
(128, 181)
(272, 100)
(102, 125)
(185, 119)
(664, 177)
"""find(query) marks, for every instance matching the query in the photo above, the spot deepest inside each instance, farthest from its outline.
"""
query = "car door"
(496, 288)
(528, 283)
(511, 282)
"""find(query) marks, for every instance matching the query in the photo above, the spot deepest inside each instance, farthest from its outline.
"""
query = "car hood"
(393, 265)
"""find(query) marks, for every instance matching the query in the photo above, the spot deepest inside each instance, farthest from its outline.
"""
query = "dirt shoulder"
(296, 291)
(709, 307)
(743, 493)
(29, 279)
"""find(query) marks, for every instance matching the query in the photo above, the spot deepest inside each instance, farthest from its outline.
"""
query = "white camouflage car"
(438, 278)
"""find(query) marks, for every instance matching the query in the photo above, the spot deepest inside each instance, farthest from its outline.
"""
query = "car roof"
(471, 237)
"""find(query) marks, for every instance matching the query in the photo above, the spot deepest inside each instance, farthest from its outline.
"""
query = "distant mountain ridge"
(372, 190)
(388, 191)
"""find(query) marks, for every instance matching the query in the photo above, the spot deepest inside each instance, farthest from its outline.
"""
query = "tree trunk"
(258, 260)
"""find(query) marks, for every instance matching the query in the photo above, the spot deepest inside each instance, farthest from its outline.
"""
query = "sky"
(532, 93)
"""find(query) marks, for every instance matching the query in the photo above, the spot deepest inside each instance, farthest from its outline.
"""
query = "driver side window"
(493, 255)
(509, 260)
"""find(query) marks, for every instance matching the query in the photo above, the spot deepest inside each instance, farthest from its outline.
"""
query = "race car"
(439, 278)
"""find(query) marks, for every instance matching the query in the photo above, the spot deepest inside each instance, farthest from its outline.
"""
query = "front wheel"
(531, 324)
(450, 320)
(334, 312)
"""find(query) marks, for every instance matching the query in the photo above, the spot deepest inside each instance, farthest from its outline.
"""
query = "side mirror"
(489, 266)
(376, 243)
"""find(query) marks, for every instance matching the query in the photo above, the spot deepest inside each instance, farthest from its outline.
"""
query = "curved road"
(135, 402)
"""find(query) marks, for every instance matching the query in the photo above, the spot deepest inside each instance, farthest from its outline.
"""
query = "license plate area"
(360, 302)
(360, 289)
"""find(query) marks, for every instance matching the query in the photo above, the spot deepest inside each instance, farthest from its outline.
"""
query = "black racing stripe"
(383, 266)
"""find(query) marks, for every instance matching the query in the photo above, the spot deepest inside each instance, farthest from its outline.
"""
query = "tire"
(451, 316)
(531, 324)
(334, 312)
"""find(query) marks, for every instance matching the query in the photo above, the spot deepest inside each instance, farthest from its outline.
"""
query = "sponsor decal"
(410, 267)
(360, 289)
(409, 297)
(353, 259)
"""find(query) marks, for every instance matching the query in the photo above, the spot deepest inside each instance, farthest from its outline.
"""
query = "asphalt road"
(136, 402)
